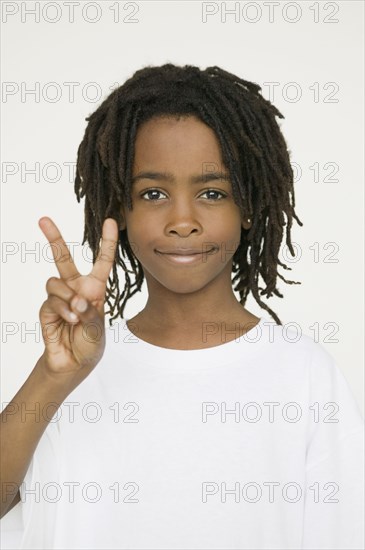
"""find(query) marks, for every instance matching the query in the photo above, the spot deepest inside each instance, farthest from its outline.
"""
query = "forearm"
(22, 424)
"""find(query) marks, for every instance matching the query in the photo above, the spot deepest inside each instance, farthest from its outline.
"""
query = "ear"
(246, 222)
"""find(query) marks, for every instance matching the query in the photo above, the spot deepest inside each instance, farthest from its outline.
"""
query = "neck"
(166, 311)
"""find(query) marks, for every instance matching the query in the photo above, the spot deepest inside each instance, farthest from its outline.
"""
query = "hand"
(75, 340)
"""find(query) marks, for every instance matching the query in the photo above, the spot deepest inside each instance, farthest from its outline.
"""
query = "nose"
(182, 219)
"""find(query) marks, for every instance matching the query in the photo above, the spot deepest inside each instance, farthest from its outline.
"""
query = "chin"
(186, 284)
(183, 287)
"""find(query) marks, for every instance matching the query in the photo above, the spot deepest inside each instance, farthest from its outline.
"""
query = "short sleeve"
(334, 496)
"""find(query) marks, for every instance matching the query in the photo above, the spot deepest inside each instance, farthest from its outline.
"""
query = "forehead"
(170, 138)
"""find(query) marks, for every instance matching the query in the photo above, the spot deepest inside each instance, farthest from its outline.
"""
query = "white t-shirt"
(252, 444)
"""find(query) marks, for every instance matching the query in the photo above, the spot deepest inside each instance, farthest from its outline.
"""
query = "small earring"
(248, 220)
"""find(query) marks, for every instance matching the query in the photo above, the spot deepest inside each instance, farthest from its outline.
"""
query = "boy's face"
(177, 213)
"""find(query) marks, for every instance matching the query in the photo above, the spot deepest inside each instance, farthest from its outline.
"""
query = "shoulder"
(290, 341)
(306, 362)
(295, 351)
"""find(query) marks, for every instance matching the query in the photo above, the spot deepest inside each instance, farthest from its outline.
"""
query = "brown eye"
(150, 192)
(216, 192)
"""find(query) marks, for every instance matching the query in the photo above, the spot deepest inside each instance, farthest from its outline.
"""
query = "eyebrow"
(169, 177)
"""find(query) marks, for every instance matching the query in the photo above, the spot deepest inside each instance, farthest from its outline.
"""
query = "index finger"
(62, 256)
(106, 254)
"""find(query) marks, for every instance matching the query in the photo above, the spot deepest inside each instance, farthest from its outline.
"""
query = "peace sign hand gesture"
(75, 338)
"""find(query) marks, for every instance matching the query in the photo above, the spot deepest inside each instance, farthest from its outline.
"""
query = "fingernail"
(81, 305)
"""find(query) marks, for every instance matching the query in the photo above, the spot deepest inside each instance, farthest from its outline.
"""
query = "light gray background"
(317, 130)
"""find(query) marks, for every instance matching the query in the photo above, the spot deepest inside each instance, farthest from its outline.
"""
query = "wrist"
(56, 384)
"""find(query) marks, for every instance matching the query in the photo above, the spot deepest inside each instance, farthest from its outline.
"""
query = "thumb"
(89, 316)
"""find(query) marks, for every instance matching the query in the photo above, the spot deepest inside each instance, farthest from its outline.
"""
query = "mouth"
(185, 257)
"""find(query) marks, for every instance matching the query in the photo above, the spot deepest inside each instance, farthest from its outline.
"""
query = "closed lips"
(184, 252)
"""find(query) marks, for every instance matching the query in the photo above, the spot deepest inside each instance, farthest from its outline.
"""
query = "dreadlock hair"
(253, 149)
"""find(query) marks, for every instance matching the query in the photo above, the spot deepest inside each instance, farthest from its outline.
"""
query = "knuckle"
(63, 258)
(52, 301)
(51, 282)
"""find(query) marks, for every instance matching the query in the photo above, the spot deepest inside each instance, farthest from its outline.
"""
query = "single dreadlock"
(253, 149)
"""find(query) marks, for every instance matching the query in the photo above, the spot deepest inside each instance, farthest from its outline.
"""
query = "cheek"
(134, 238)
(232, 238)
(228, 230)
(141, 234)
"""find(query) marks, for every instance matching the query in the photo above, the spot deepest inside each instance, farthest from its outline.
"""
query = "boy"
(194, 424)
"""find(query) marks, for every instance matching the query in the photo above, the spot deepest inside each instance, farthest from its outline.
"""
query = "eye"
(152, 191)
(155, 192)
(215, 191)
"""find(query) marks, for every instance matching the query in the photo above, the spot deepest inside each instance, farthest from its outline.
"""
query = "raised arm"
(74, 344)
